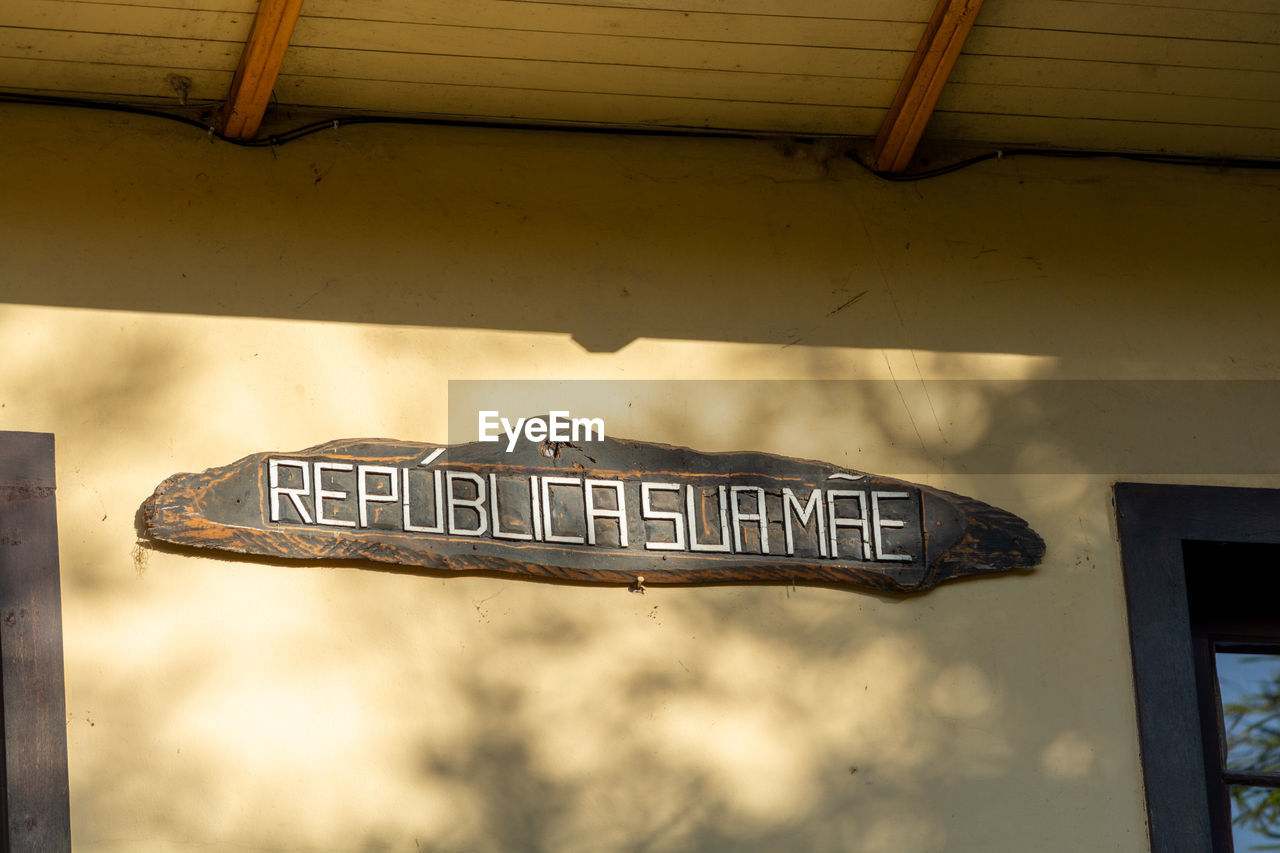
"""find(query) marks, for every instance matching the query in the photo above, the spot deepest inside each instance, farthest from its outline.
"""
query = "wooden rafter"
(259, 65)
(922, 84)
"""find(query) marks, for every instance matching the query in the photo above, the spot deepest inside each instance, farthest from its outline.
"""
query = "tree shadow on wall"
(478, 715)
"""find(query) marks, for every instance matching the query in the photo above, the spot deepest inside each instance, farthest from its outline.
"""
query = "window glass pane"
(1249, 683)
(1255, 819)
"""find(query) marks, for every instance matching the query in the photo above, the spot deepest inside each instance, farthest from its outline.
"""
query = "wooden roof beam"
(259, 66)
(922, 84)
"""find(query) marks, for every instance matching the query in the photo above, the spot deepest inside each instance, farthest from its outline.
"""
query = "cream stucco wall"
(170, 305)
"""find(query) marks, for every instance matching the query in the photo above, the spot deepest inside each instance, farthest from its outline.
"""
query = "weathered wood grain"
(891, 536)
(922, 84)
(259, 66)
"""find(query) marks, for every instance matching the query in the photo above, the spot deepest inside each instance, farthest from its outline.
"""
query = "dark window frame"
(1232, 590)
(1154, 523)
(35, 803)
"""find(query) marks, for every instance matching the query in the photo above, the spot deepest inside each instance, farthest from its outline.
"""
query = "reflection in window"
(1254, 826)
(1249, 687)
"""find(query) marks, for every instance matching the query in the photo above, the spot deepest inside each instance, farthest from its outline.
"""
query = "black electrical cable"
(1067, 153)
(344, 121)
(301, 131)
(931, 173)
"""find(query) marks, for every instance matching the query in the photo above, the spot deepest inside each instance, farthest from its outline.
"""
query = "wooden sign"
(608, 511)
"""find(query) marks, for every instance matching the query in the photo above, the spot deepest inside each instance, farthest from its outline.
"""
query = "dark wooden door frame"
(1153, 522)
(35, 804)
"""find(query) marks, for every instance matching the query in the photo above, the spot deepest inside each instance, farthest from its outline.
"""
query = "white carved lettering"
(294, 495)
(477, 504)
(594, 512)
(322, 493)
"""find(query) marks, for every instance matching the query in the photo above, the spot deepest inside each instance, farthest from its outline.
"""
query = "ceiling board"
(635, 23)
(1105, 76)
(428, 40)
(164, 54)
(1130, 19)
(123, 83)
(596, 78)
(124, 19)
(1154, 75)
(532, 105)
(1119, 106)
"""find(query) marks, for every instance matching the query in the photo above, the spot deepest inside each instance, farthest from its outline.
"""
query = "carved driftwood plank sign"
(608, 511)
